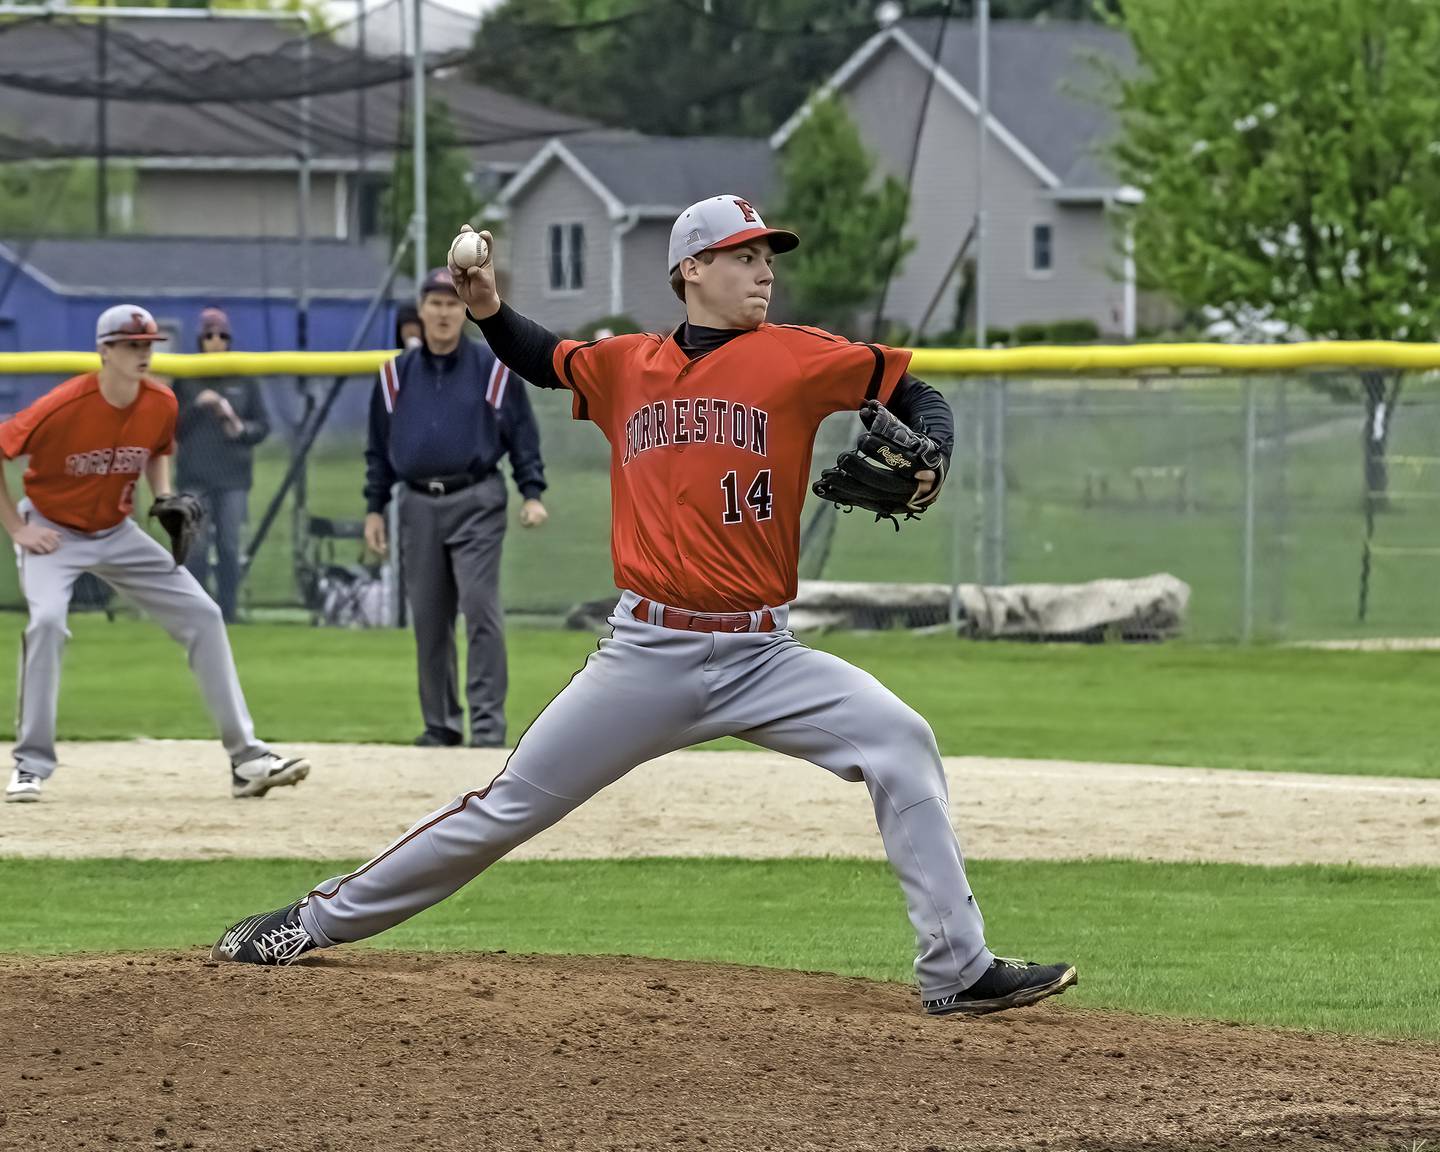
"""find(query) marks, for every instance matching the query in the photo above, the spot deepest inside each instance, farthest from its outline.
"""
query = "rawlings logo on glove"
(181, 516)
(880, 473)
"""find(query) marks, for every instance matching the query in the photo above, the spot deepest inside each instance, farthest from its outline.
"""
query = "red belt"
(705, 621)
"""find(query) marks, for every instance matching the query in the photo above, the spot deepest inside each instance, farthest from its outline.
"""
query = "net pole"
(957, 528)
(1247, 546)
(102, 133)
(419, 224)
(361, 134)
(981, 262)
(977, 409)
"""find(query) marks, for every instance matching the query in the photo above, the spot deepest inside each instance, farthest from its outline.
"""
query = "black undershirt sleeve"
(525, 347)
(914, 400)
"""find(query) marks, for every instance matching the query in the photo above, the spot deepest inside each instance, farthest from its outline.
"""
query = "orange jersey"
(86, 455)
(710, 458)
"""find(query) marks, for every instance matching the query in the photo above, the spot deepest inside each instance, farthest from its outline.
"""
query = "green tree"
(450, 198)
(852, 225)
(1287, 155)
(688, 67)
(58, 198)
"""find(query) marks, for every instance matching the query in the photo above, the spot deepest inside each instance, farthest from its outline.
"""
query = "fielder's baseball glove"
(181, 516)
(878, 474)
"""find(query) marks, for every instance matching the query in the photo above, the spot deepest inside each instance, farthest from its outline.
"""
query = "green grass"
(1264, 708)
(1326, 948)
(1060, 441)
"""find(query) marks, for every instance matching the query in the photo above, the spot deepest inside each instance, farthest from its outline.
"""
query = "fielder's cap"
(213, 321)
(438, 280)
(722, 222)
(126, 322)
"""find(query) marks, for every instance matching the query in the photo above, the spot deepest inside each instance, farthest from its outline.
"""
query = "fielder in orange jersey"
(89, 441)
(711, 429)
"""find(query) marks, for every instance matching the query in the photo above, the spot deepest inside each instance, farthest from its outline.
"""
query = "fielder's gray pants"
(450, 550)
(649, 690)
(137, 567)
(225, 513)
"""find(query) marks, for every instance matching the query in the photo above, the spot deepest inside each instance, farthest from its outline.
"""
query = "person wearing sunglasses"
(222, 419)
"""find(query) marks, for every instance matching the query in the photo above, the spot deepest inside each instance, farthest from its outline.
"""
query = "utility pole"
(418, 222)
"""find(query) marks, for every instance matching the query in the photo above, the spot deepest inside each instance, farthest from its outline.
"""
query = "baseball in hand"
(468, 250)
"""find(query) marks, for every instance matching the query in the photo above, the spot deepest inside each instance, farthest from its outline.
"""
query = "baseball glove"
(181, 516)
(878, 474)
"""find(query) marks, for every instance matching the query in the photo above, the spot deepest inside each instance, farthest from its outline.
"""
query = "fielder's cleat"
(1006, 984)
(256, 777)
(24, 787)
(270, 938)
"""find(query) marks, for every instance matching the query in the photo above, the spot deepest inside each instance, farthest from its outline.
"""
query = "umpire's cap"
(722, 222)
(437, 280)
(126, 322)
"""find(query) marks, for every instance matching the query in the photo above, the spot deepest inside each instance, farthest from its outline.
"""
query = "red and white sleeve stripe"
(495, 390)
(389, 385)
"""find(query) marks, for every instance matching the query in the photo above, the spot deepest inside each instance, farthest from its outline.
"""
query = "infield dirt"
(747, 804)
(359, 1051)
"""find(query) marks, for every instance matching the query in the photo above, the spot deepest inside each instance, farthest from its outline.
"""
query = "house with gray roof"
(587, 221)
(1054, 211)
(208, 113)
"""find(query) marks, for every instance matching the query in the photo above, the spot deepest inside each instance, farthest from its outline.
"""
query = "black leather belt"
(444, 485)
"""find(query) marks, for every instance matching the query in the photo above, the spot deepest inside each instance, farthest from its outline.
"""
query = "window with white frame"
(567, 257)
(1042, 248)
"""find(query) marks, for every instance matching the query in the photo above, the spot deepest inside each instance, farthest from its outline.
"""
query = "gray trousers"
(649, 690)
(450, 550)
(226, 510)
(139, 568)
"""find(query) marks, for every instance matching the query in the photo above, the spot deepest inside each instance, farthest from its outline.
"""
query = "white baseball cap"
(722, 222)
(126, 322)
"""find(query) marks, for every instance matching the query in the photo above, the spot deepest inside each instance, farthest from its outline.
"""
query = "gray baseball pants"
(649, 690)
(137, 567)
(450, 550)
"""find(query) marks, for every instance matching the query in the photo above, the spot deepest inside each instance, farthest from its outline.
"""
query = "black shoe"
(432, 739)
(1006, 984)
(488, 742)
(270, 938)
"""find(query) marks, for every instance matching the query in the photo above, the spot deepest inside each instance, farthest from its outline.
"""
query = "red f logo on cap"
(746, 211)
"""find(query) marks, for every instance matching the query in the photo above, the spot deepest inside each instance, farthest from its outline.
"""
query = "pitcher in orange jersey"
(711, 429)
(89, 441)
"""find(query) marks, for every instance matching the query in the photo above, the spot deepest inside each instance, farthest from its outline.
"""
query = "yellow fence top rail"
(1031, 361)
(1127, 358)
(206, 364)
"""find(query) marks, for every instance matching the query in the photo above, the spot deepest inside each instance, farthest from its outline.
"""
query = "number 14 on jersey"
(758, 497)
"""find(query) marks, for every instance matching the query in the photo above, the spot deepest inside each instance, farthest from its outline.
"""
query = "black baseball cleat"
(270, 938)
(1006, 984)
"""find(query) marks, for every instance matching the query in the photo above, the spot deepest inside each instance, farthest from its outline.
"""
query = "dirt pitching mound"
(378, 1051)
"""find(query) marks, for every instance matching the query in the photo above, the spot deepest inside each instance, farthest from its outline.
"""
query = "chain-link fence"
(1252, 492)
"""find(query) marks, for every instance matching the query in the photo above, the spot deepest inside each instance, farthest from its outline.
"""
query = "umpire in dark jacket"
(221, 420)
(441, 417)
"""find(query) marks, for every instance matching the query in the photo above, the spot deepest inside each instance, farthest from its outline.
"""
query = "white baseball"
(468, 250)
